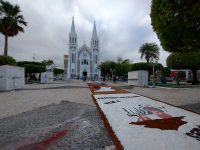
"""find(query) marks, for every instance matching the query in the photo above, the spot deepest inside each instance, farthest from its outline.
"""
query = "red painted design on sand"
(164, 124)
(143, 118)
(44, 144)
(158, 112)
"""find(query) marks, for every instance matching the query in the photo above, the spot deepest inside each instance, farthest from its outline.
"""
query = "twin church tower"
(84, 60)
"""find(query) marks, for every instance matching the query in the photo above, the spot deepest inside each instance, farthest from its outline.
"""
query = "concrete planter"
(11, 77)
(138, 78)
(46, 77)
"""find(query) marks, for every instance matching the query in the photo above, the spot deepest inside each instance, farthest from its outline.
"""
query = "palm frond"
(149, 51)
(12, 19)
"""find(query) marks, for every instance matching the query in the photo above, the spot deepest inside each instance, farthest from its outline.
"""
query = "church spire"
(73, 30)
(95, 38)
(94, 34)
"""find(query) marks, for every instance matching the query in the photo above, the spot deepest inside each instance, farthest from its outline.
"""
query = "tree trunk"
(147, 61)
(6, 45)
(178, 81)
(194, 72)
(147, 58)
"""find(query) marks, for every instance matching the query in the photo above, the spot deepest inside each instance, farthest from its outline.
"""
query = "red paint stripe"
(44, 144)
(143, 118)
(53, 138)
(158, 113)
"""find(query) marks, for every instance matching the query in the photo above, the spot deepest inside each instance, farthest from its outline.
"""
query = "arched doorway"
(85, 73)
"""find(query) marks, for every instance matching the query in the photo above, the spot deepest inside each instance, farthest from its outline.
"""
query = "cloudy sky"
(122, 25)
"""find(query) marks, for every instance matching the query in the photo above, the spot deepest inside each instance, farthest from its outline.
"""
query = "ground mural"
(135, 119)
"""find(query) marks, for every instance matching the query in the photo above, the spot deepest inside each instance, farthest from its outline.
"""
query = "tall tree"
(149, 51)
(10, 21)
(177, 24)
(49, 64)
(122, 68)
(106, 67)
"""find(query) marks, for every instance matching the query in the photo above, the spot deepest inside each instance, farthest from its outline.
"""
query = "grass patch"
(31, 81)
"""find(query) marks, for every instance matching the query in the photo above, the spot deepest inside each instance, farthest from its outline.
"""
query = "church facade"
(83, 61)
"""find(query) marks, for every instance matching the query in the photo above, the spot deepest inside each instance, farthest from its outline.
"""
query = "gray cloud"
(122, 26)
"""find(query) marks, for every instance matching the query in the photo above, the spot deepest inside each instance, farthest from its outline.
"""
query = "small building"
(138, 78)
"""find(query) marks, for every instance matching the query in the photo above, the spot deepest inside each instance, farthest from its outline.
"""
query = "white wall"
(11, 77)
(46, 77)
(138, 78)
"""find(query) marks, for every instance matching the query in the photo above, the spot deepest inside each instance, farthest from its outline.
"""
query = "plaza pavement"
(34, 99)
(38, 95)
(56, 116)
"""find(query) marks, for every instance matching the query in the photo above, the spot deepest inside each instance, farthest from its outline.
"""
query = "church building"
(83, 60)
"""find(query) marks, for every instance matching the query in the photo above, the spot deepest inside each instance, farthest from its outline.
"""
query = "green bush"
(7, 60)
(141, 66)
(166, 72)
(31, 68)
(21, 63)
(57, 71)
(146, 66)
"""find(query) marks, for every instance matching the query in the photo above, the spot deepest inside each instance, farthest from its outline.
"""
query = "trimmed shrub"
(7, 60)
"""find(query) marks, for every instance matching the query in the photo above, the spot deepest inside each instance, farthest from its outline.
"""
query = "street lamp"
(154, 61)
(112, 71)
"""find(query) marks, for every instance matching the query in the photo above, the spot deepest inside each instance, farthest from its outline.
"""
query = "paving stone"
(84, 128)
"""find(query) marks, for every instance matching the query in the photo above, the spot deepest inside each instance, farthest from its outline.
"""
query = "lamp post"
(155, 61)
(112, 71)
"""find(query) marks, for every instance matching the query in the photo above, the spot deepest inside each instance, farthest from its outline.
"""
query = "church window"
(95, 59)
(85, 62)
(73, 58)
(75, 40)
(84, 55)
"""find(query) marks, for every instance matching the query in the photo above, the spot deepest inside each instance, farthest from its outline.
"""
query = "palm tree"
(10, 21)
(150, 51)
